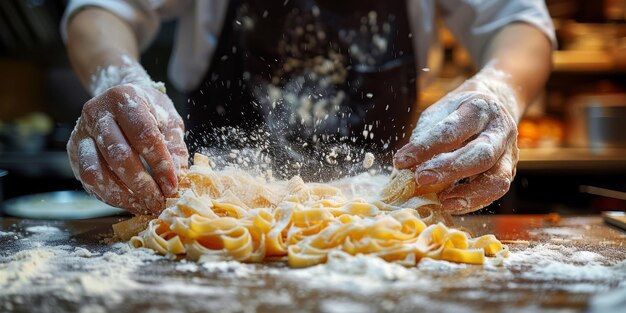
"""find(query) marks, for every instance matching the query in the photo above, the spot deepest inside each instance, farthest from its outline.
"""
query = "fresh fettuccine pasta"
(229, 215)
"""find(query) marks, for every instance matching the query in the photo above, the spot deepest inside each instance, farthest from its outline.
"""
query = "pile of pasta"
(230, 215)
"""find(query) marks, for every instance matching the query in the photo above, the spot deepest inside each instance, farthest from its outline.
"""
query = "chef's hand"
(467, 144)
(119, 127)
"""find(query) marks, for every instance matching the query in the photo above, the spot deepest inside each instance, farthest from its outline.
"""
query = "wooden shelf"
(575, 159)
(587, 61)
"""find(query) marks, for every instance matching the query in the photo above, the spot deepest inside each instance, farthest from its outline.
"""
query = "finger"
(72, 147)
(171, 126)
(483, 189)
(475, 157)
(124, 161)
(140, 127)
(442, 108)
(99, 180)
(175, 140)
(469, 119)
(173, 129)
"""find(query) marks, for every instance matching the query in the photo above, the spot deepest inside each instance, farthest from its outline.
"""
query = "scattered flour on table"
(70, 274)
(42, 229)
(344, 305)
(610, 302)
(188, 267)
(178, 287)
(42, 233)
(230, 268)
(92, 308)
(439, 266)
(558, 231)
(567, 268)
(360, 273)
(82, 252)
(553, 266)
(23, 267)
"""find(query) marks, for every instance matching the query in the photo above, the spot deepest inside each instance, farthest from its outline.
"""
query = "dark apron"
(313, 83)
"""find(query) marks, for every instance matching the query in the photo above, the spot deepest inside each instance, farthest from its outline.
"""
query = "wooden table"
(464, 289)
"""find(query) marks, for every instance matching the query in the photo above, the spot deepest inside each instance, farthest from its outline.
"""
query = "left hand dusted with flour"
(115, 131)
(466, 143)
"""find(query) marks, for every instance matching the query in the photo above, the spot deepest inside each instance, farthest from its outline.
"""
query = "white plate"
(58, 205)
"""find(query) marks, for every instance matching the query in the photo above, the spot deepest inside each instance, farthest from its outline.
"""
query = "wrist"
(125, 71)
(499, 85)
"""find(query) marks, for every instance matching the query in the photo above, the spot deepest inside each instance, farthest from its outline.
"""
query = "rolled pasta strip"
(310, 217)
(258, 255)
(204, 226)
(175, 246)
(203, 181)
(189, 205)
(262, 220)
(323, 190)
(358, 208)
(469, 256)
(137, 242)
(198, 252)
(181, 226)
(238, 244)
(488, 243)
(153, 240)
(297, 258)
(276, 245)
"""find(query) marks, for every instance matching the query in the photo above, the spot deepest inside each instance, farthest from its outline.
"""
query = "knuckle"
(503, 184)
(415, 148)
(88, 177)
(500, 185)
(91, 107)
(88, 172)
(449, 131)
(150, 134)
(480, 107)
(175, 140)
(484, 152)
(119, 151)
(479, 103)
(118, 92)
(125, 96)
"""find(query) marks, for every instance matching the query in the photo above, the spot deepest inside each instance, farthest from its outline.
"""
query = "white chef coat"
(473, 23)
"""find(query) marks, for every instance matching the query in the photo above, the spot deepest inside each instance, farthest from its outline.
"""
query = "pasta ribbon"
(230, 215)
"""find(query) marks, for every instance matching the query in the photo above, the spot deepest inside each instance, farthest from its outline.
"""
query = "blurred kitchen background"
(573, 138)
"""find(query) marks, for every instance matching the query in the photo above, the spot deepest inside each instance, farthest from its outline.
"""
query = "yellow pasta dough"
(230, 215)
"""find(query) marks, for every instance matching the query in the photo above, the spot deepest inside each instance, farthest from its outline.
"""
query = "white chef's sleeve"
(143, 16)
(475, 22)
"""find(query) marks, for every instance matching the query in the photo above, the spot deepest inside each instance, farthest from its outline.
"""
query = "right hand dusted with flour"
(465, 146)
(116, 128)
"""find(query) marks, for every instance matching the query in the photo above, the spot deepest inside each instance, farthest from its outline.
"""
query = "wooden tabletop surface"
(592, 255)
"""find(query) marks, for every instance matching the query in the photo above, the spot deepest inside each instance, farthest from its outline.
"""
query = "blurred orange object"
(542, 132)
(528, 134)
(553, 218)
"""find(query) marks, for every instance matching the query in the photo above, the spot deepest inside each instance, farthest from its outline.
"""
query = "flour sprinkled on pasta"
(230, 215)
